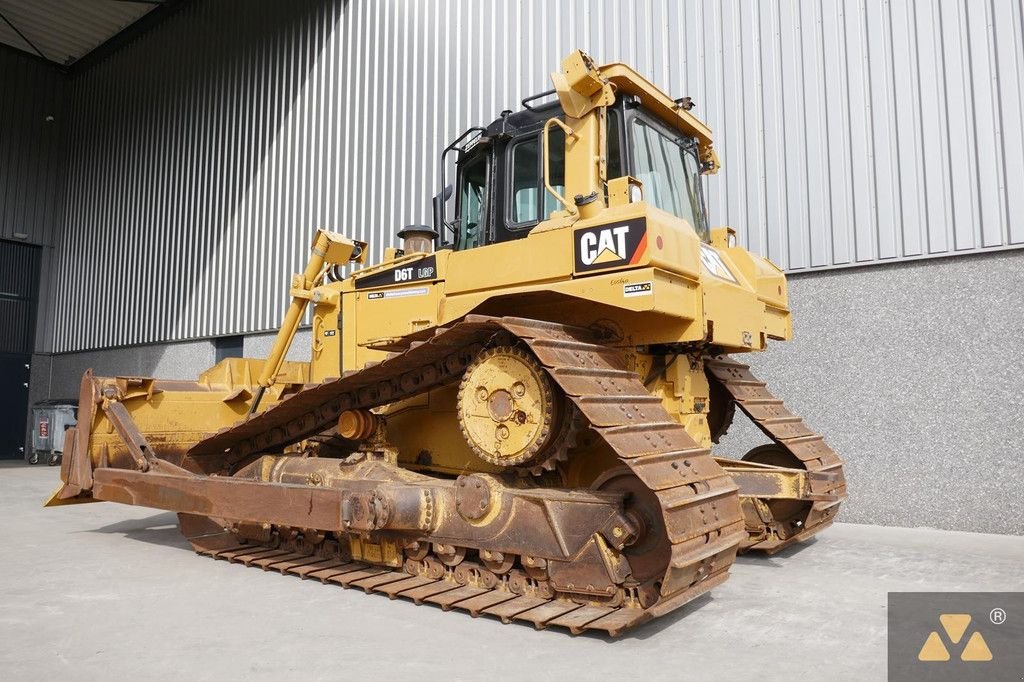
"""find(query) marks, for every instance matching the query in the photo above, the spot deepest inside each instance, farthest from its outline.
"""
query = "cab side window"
(530, 202)
(615, 166)
(525, 182)
(472, 196)
(667, 166)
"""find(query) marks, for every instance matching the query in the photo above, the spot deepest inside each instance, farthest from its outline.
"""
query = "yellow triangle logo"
(607, 256)
(933, 649)
(955, 625)
(976, 649)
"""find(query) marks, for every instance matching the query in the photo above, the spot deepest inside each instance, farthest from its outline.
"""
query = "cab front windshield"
(669, 169)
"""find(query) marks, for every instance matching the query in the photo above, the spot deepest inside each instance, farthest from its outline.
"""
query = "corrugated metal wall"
(32, 184)
(201, 158)
(850, 132)
(31, 91)
(19, 289)
(203, 155)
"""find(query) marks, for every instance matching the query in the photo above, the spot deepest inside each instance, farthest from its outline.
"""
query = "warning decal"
(713, 263)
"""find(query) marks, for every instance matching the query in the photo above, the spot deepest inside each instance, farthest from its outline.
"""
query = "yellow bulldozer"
(514, 413)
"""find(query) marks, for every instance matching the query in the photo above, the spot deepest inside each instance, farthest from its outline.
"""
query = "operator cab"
(499, 190)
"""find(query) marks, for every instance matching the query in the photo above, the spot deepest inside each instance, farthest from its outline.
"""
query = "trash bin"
(50, 419)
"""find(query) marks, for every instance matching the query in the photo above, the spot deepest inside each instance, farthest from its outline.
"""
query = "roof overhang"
(63, 32)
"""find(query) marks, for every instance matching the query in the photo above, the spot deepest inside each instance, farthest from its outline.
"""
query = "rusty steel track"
(698, 500)
(697, 526)
(790, 432)
(448, 593)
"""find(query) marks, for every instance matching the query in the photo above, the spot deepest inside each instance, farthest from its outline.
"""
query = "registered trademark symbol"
(997, 616)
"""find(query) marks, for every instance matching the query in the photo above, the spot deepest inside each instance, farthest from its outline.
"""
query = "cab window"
(615, 169)
(530, 202)
(472, 202)
(668, 167)
(525, 181)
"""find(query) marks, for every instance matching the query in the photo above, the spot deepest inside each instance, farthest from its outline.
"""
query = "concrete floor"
(107, 591)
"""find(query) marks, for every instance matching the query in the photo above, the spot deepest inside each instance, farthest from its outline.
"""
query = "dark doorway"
(228, 347)
(19, 291)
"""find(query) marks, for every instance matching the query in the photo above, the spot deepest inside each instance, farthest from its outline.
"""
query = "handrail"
(453, 146)
(532, 98)
(547, 163)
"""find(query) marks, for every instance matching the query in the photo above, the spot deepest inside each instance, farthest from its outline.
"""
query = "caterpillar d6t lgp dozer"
(512, 415)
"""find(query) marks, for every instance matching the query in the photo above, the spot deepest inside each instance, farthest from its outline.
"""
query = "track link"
(701, 518)
(449, 594)
(789, 431)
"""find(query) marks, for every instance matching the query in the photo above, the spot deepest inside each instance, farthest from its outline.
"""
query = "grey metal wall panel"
(31, 181)
(197, 164)
(204, 154)
(851, 132)
(19, 287)
(31, 92)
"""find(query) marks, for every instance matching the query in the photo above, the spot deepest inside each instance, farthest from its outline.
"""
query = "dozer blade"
(76, 466)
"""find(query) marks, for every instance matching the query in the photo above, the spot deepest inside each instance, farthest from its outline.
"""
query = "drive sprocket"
(511, 413)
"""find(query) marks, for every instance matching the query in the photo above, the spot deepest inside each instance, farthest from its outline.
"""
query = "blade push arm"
(329, 248)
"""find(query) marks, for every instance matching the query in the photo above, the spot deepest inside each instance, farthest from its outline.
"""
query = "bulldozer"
(515, 413)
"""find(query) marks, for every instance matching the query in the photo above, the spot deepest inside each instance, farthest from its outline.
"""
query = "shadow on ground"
(162, 529)
(159, 529)
(777, 560)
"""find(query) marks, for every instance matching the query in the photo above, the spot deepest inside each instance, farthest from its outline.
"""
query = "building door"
(19, 291)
